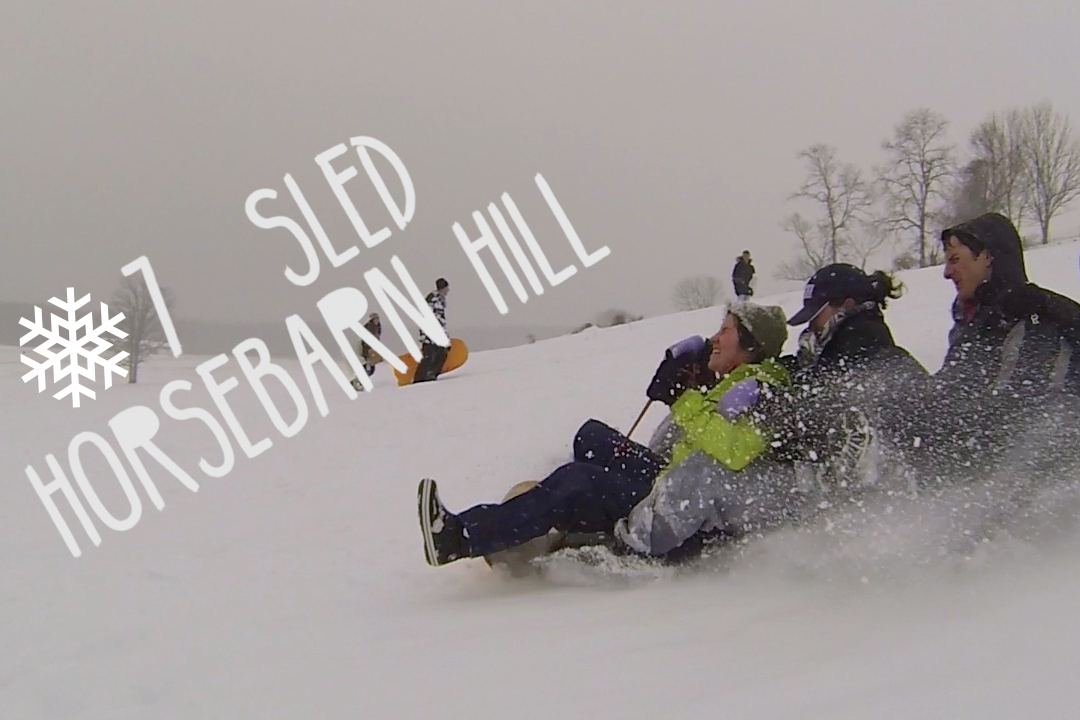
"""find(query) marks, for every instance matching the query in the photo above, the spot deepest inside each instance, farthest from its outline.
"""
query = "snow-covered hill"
(295, 586)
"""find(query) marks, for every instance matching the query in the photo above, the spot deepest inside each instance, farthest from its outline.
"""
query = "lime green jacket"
(733, 443)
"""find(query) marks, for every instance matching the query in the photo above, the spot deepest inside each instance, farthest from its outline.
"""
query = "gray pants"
(700, 494)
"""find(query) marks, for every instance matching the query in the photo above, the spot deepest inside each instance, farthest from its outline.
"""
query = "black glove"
(685, 365)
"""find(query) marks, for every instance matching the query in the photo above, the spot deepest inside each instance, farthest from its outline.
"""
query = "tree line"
(1022, 162)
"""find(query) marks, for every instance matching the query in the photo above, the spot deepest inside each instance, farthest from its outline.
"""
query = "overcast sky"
(667, 130)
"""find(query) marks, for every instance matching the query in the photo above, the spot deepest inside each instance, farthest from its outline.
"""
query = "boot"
(444, 533)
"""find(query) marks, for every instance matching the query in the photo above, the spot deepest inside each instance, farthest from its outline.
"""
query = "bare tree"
(996, 175)
(871, 237)
(840, 191)
(1052, 159)
(969, 194)
(696, 292)
(813, 252)
(914, 179)
(145, 335)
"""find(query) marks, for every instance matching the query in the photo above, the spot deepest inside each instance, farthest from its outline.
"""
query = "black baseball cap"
(441, 283)
(829, 284)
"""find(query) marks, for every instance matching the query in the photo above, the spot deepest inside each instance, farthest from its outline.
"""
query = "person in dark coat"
(364, 351)
(1013, 361)
(741, 276)
(1008, 333)
(367, 354)
(849, 377)
(433, 354)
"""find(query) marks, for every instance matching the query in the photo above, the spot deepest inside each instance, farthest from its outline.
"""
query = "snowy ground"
(295, 587)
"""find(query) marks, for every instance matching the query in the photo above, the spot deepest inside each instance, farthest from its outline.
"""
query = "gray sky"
(668, 131)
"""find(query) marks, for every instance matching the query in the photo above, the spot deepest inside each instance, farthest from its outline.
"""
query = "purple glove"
(685, 364)
(690, 346)
(740, 397)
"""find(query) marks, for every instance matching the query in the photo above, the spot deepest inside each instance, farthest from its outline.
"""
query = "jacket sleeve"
(801, 418)
(437, 303)
(439, 308)
(735, 444)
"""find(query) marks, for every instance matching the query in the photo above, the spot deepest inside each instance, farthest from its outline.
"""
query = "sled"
(516, 560)
(455, 358)
(592, 554)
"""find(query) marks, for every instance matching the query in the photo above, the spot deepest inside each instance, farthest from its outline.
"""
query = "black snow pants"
(431, 362)
(608, 477)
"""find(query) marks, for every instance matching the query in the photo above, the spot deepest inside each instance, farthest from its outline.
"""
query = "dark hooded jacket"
(1013, 337)
(1010, 382)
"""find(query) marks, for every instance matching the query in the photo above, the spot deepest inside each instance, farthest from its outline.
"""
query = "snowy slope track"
(296, 587)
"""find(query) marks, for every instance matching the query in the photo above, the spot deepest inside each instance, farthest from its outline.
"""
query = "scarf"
(811, 343)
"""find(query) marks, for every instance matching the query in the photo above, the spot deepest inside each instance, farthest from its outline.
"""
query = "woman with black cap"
(850, 376)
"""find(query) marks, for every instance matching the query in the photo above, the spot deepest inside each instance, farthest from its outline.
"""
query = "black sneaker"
(444, 536)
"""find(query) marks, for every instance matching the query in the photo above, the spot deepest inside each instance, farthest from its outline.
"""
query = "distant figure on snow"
(433, 355)
(365, 352)
(741, 276)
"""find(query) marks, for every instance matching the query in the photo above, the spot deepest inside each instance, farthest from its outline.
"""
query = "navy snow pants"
(608, 477)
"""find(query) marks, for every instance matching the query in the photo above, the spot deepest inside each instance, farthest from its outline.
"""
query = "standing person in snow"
(741, 275)
(1013, 357)
(374, 325)
(364, 351)
(590, 494)
(849, 373)
(433, 355)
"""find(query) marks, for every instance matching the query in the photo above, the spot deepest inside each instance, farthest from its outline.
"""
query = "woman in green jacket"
(591, 494)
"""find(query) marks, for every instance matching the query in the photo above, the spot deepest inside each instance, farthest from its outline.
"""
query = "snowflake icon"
(63, 351)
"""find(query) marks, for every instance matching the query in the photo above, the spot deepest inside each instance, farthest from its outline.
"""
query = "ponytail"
(882, 287)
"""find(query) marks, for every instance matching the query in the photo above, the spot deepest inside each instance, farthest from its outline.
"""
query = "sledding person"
(433, 355)
(1008, 333)
(847, 374)
(741, 275)
(589, 496)
(849, 367)
(1013, 356)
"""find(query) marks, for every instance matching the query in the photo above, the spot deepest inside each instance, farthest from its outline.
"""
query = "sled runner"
(516, 560)
(456, 356)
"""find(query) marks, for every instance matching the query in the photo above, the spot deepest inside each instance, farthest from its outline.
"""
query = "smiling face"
(966, 269)
(727, 354)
